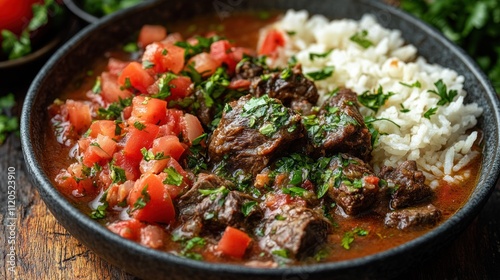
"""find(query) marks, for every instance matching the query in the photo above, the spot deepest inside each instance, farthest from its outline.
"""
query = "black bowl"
(148, 263)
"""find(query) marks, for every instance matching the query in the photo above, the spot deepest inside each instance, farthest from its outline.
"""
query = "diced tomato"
(180, 87)
(138, 139)
(129, 164)
(104, 127)
(372, 180)
(136, 76)
(152, 236)
(165, 57)
(277, 200)
(193, 127)
(118, 193)
(239, 84)
(111, 91)
(273, 40)
(150, 34)
(67, 181)
(129, 229)
(150, 201)
(234, 242)
(175, 190)
(116, 66)
(238, 53)
(148, 110)
(222, 52)
(174, 121)
(204, 64)
(168, 145)
(79, 115)
(101, 148)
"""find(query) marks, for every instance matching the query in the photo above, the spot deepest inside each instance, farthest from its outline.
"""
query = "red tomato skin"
(150, 34)
(272, 41)
(111, 90)
(169, 145)
(222, 52)
(15, 15)
(158, 207)
(129, 229)
(138, 139)
(138, 77)
(180, 87)
(234, 242)
(103, 127)
(79, 115)
(148, 110)
(204, 64)
(165, 57)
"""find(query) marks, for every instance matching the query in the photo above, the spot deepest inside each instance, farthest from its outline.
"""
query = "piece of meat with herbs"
(293, 232)
(253, 130)
(191, 222)
(251, 67)
(290, 86)
(406, 184)
(413, 218)
(351, 183)
(210, 205)
(338, 127)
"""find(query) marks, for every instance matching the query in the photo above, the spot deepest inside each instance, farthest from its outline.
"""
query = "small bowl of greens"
(29, 32)
(91, 11)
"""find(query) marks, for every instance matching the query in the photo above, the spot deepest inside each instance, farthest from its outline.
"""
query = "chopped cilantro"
(312, 56)
(99, 212)
(139, 125)
(97, 86)
(430, 112)
(281, 253)
(350, 235)
(149, 155)
(131, 47)
(374, 100)
(415, 84)
(117, 174)
(142, 200)
(247, 207)
(164, 86)
(360, 38)
(115, 109)
(403, 109)
(173, 177)
(442, 91)
(294, 191)
(214, 192)
(322, 74)
(146, 64)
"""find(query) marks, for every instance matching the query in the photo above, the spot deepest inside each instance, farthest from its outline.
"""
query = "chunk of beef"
(408, 184)
(339, 127)
(251, 132)
(249, 69)
(209, 206)
(290, 86)
(298, 230)
(413, 218)
(351, 184)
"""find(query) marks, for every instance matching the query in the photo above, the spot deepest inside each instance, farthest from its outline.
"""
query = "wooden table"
(45, 250)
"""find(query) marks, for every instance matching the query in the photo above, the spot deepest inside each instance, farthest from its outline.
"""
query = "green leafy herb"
(142, 200)
(203, 45)
(173, 177)
(247, 207)
(403, 109)
(361, 39)
(97, 86)
(415, 84)
(139, 125)
(312, 56)
(430, 112)
(442, 91)
(214, 192)
(15, 47)
(131, 47)
(117, 174)
(291, 33)
(8, 123)
(322, 74)
(127, 84)
(115, 109)
(146, 64)
(99, 212)
(374, 100)
(294, 191)
(281, 253)
(188, 246)
(164, 86)
(350, 235)
(149, 155)
(101, 8)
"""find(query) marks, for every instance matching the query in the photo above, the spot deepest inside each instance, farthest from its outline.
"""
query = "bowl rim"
(48, 191)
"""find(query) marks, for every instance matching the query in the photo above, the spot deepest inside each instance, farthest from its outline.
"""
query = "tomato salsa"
(185, 141)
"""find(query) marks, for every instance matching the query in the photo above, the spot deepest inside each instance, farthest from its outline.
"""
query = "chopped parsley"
(142, 200)
(361, 39)
(415, 84)
(164, 86)
(130, 47)
(294, 191)
(117, 174)
(127, 84)
(146, 64)
(267, 115)
(149, 155)
(97, 86)
(248, 207)
(281, 253)
(188, 246)
(139, 125)
(203, 45)
(312, 56)
(442, 91)
(430, 112)
(349, 236)
(99, 212)
(173, 177)
(318, 127)
(215, 192)
(403, 109)
(322, 74)
(115, 109)
(374, 100)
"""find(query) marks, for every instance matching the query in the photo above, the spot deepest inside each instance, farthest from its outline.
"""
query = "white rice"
(441, 145)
